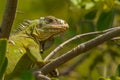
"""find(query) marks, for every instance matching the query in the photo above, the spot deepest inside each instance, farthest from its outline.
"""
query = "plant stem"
(8, 18)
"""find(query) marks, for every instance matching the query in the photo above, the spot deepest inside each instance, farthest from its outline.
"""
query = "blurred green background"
(82, 16)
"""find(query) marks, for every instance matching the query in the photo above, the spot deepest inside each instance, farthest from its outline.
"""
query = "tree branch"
(72, 39)
(79, 50)
(8, 18)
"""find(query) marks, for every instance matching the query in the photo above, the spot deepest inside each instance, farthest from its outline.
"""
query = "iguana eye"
(48, 20)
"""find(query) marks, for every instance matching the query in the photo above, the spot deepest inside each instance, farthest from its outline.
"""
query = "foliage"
(3, 59)
(83, 16)
(115, 77)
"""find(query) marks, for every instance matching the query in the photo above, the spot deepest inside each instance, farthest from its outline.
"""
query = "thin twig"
(39, 76)
(79, 50)
(116, 38)
(74, 38)
(8, 18)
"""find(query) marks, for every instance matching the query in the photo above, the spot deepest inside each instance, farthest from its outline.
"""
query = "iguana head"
(48, 27)
(52, 24)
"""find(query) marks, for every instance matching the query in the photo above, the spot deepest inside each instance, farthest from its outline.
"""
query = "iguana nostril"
(49, 20)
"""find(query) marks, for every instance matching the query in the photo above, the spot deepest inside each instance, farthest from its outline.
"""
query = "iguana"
(26, 40)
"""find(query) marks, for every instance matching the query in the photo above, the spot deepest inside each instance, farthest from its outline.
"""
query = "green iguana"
(26, 40)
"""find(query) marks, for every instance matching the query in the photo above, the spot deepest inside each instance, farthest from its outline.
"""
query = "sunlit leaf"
(55, 79)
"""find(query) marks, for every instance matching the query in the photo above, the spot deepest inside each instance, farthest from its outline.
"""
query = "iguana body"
(32, 34)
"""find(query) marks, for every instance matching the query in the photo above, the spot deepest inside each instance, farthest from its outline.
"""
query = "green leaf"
(113, 78)
(118, 71)
(3, 68)
(101, 78)
(3, 60)
(87, 26)
(55, 79)
(91, 15)
(3, 43)
(105, 20)
(27, 76)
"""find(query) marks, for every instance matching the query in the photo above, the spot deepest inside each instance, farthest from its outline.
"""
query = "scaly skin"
(29, 36)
